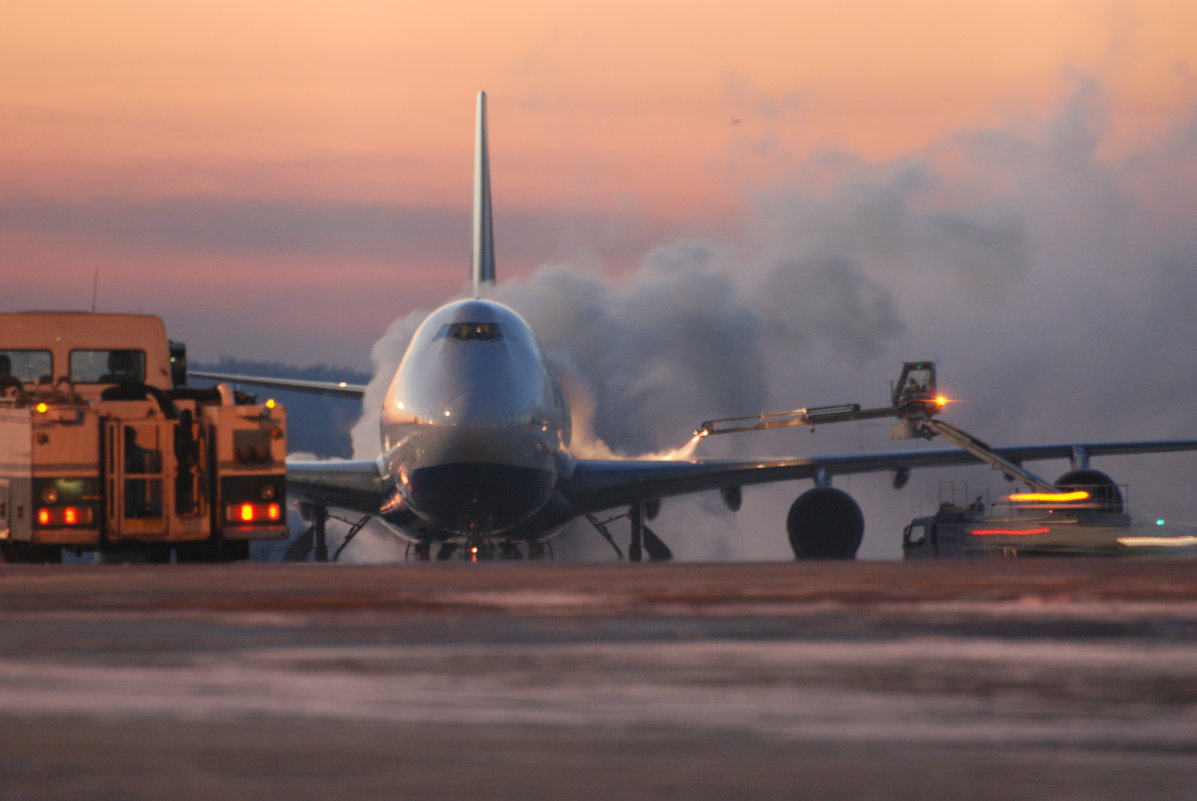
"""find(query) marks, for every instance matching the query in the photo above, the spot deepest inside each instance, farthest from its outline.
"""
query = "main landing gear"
(642, 537)
(313, 538)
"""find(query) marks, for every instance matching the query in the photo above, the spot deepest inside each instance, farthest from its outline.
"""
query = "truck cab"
(106, 448)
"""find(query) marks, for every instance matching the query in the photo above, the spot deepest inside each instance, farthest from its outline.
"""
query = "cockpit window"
(462, 332)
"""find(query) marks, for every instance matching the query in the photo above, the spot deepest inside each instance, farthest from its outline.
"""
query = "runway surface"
(1043, 679)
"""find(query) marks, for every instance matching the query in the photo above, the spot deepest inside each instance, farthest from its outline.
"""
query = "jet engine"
(825, 523)
(732, 498)
(652, 508)
(1102, 489)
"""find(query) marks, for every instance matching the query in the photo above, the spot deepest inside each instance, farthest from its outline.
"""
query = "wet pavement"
(1045, 679)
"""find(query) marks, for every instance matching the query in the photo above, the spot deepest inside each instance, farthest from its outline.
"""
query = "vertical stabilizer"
(483, 268)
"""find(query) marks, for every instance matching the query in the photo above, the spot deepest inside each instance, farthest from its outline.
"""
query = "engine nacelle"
(732, 497)
(825, 523)
(652, 508)
(1102, 489)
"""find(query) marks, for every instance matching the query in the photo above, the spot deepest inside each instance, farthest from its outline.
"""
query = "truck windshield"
(25, 365)
(107, 366)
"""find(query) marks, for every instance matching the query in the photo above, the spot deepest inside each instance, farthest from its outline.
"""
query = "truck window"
(914, 535)
(252, 446)
(107, 366)
(26, 365)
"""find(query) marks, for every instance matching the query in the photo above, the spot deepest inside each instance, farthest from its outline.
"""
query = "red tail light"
(64, 516)
(254, 512)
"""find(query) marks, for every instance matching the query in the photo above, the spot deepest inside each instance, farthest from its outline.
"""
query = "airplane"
(475, 451)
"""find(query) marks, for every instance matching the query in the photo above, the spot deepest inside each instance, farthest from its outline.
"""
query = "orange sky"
(663, 113)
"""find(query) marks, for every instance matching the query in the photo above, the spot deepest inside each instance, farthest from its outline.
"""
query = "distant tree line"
(315, 424)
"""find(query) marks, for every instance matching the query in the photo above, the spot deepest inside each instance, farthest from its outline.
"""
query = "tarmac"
(1048, 679)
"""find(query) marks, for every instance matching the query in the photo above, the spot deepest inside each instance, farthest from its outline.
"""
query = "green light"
(1160, 522)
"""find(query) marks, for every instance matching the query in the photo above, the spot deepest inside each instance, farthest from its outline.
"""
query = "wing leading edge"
(603, 484)
(597, 485)
(355, 485)
(336, 389)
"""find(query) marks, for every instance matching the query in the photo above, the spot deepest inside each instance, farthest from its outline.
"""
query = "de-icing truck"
(104, 448)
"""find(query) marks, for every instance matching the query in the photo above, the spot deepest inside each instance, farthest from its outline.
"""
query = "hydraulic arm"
(913, 398)
(980, 449)
(914, 403)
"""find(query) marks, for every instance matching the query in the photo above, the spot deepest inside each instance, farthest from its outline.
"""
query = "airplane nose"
(479, 497)
(478, 478)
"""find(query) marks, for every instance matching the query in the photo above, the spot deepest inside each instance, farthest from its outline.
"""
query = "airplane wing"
(336, 389)
(603, 484)
(354, 485)
(598, 484)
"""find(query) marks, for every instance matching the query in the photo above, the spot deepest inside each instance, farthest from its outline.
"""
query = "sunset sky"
(282, 179)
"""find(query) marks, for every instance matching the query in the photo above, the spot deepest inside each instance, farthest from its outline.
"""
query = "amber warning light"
(1009, 532)
(1050, 497)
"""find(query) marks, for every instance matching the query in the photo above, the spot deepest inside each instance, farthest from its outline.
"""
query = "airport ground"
(1044, 679)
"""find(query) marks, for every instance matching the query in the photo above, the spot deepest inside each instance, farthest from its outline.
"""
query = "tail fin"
(483, 268)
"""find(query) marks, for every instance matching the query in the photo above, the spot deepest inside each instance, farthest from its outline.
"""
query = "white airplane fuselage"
(475, 429)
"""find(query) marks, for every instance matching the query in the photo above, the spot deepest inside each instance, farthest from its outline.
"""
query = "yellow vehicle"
(104, 448)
